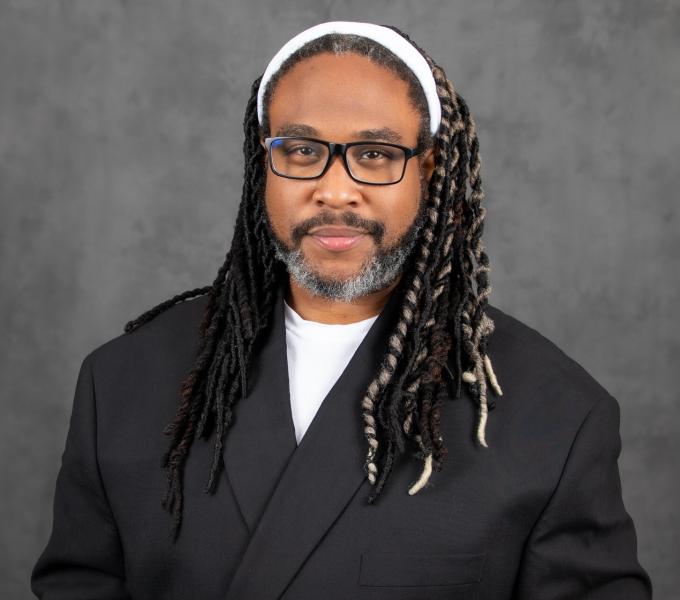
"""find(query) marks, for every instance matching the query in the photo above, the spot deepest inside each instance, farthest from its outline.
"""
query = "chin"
(337, 268)
(335, 275)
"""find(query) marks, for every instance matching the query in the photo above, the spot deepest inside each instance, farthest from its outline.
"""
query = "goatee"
(377, 272)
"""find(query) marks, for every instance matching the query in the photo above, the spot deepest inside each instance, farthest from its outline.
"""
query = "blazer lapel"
(262, 437)
(319, 478)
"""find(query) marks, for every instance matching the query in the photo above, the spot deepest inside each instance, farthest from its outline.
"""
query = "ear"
(427, 163)
(265, 153)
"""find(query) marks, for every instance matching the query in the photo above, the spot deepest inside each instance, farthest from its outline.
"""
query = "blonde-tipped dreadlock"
(457, 152)
(441, 312)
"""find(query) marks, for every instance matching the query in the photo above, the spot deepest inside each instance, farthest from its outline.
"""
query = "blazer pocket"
(410, 569)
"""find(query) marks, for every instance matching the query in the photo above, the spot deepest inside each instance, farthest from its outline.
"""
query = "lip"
(336, 232)
(337, 239)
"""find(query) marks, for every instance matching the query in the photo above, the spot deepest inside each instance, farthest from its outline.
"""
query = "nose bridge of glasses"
(337, 151)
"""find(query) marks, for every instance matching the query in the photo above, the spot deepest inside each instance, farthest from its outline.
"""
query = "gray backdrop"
(120, 175)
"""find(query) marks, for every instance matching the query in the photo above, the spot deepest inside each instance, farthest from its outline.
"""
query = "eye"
(300, 150)
(375, 154)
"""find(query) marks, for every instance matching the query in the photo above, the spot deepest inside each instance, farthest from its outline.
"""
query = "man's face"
(339, 238)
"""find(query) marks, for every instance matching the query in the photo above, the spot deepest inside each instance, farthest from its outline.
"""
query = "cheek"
(275, 205)
(402, 208)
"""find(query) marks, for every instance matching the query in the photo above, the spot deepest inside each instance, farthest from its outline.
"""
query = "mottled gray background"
(120, 174)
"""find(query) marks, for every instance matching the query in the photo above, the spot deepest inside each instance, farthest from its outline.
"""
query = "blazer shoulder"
(175, 330)
(533, 365)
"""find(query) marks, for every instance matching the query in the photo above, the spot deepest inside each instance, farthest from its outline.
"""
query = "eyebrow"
(383, 134)
(295, 129)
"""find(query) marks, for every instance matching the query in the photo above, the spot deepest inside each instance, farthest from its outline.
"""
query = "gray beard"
(375, 274)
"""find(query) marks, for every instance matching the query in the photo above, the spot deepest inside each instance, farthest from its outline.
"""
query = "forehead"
(340, 95)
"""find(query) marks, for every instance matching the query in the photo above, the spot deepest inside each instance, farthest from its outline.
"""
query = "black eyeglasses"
(375, 163)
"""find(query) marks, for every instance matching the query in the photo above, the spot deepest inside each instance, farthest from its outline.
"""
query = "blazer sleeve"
(83, 558)
(584, 545)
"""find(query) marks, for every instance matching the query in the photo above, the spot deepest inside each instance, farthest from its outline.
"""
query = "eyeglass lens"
(371, 162)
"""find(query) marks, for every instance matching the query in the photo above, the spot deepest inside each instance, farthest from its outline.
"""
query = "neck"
(335, 312)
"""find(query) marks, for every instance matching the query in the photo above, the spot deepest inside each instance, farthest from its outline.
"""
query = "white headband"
(385, 36)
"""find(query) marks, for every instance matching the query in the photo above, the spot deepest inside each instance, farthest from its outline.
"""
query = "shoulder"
(171, 337)
(539, 380)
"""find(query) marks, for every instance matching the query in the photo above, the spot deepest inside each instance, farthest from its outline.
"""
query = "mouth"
(337, 239)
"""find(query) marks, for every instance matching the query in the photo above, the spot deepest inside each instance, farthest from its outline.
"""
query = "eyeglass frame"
(341, 149)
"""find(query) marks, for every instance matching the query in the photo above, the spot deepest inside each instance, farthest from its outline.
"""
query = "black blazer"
(536, 515)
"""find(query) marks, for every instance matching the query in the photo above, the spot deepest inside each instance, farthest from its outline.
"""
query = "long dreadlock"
(441, 310)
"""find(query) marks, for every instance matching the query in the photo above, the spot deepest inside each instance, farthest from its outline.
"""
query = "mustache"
(349, 219)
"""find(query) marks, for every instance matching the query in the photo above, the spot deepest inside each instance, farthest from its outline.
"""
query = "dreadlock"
(443, 297)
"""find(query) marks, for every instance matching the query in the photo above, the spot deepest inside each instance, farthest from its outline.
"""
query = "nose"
(336, 189)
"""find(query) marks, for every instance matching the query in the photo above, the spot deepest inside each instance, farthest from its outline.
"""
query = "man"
(348, 327)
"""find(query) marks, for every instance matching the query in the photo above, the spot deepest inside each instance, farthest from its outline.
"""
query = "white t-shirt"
(317, 353)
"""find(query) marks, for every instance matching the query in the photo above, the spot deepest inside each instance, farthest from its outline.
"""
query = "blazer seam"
(550, 499)
(105, 497)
